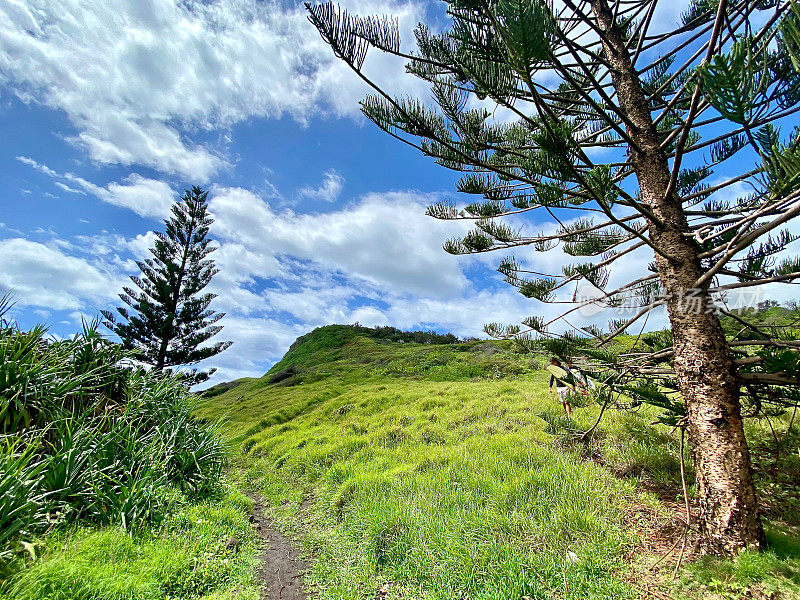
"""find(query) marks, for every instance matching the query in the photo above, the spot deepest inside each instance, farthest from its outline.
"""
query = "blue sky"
(108, 113)
(109, 110)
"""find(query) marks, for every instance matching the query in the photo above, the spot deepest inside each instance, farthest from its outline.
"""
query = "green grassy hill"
(428, 471)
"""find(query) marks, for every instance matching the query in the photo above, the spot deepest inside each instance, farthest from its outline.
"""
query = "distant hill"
(766, 314)
(362, 353)
(435, 470)
(355, 354)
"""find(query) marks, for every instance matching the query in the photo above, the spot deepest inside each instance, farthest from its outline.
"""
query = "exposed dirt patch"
(283, 376)
(487, 349)
(660, 533)
(280, 574)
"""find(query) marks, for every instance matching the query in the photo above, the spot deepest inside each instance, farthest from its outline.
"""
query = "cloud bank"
(139, 79)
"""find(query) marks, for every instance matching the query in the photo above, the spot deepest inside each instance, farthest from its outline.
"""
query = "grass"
(184, 558)
(771, 574)
(428, 472)
(444, 488)
(110, 487)
(413, 470)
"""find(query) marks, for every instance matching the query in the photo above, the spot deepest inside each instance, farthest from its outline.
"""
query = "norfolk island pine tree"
(169, 319)
(665, 109)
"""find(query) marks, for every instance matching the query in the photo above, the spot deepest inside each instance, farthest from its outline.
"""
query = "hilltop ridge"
(316, 346)
(356, 354)
(412, 470)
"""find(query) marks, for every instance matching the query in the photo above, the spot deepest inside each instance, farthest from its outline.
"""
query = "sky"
(109, 110)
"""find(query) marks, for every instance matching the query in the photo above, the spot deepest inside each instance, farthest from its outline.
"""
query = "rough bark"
(706, 375)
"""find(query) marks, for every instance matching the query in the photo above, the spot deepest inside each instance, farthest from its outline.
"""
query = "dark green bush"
(87, 436)
(22, 505)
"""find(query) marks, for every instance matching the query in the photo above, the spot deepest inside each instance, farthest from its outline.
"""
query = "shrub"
(86, 436)
(21, 511)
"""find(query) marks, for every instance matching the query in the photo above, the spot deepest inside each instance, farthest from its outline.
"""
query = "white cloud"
(69, 190)
(146, 197)
(41, 275)
(384, 239)
(138, 79)
(377, 261)
(26, 160)
(332, 184)
(257, 342)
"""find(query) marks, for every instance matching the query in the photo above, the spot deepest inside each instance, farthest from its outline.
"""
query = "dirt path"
(281, 569)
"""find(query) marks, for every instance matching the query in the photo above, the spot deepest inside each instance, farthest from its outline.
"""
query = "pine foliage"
(167, 320)
(613, 137)
(731, 71)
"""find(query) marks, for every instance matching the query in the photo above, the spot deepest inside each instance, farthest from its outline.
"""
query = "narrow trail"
(280, 574)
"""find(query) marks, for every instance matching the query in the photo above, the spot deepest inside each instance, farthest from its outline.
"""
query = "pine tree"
(615, 128)
(168, 320)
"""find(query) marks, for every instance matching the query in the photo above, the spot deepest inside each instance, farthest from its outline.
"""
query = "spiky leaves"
(528, 31)
(583, 238)
(351, 36)
(790, 34)
(759, 263)
(604, 116)
(735, 83)
(781, 163)
(168, 321)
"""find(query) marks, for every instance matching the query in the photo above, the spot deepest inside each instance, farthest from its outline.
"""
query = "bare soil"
(280, 573)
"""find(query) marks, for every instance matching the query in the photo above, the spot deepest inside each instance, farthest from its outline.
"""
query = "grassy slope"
(429, 470)
(184, 558)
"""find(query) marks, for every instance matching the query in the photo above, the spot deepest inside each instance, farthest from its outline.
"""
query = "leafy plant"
(113, 444)
(21, 509)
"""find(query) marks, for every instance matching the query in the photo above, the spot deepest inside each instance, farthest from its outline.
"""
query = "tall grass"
(420, 472)
(440, 490)
(85, 436)
(183, 558)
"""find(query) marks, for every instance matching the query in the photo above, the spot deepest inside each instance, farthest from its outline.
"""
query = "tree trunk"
(169, 333)
(162, 351)
(706, 375)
